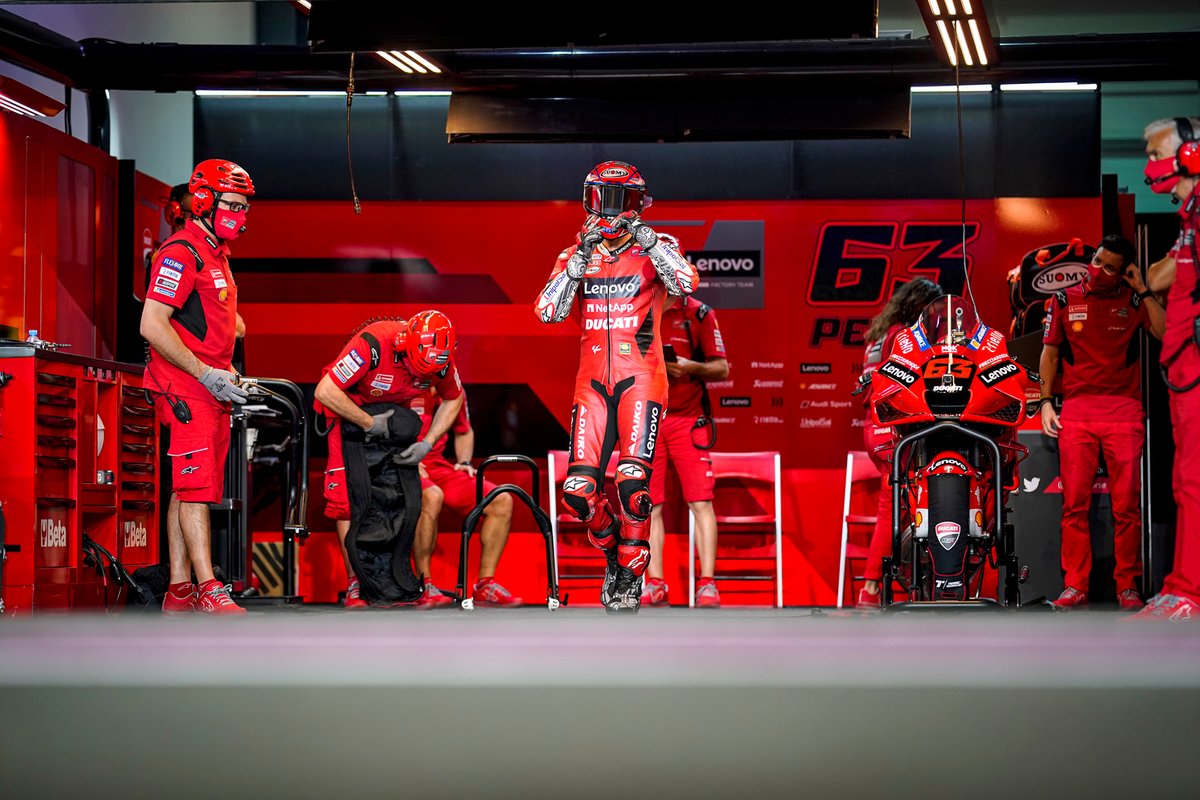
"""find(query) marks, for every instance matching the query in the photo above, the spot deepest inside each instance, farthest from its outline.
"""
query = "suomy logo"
(1059, 277)
(615, 172)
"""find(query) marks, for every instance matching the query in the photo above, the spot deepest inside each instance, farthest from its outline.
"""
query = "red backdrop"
(794, 283)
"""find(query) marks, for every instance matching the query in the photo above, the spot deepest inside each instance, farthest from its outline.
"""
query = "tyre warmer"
(385, 502)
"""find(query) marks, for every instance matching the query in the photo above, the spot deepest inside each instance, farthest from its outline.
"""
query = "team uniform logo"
(947, 534)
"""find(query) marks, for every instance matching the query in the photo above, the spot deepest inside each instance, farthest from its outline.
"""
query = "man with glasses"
(190, 322)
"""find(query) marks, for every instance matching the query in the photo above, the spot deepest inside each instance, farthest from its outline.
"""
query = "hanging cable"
(962, 171)
(349, 161)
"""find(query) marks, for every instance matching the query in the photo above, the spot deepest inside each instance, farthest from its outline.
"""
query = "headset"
(1187, 157)
(173, 212)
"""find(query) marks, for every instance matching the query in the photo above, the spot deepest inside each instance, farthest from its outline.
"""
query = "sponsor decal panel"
(810, 368)
(735, 402)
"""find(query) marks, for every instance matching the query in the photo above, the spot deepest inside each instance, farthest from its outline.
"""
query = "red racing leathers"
(621, 387)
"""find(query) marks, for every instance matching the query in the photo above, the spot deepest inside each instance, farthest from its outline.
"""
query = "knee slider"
(633, 487)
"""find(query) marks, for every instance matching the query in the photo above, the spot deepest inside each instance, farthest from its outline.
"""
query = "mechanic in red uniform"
(453, 485)
(190, 321)
(622, 272)
(1092, 328)
(902, 311)
(388, 361)
(690, 328)
(1173, 147)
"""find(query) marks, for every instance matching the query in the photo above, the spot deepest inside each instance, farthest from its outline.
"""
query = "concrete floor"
(526, 703)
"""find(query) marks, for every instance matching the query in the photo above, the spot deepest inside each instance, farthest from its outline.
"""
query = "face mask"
(227, 224)
(1100, 281)
(1161, 175)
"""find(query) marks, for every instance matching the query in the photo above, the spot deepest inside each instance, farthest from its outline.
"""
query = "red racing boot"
(489, 593)
(215, 600)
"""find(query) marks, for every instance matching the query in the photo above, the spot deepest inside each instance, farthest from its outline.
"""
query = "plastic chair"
(746, 497)
(861, 496)
(570, 535)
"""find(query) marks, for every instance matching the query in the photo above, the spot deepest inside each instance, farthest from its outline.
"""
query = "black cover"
(385, 502)
(1042, 272)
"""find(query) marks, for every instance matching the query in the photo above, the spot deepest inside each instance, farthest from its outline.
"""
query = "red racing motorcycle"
(954, 399)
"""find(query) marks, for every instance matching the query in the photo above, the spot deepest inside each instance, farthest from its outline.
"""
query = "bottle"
(32, 338)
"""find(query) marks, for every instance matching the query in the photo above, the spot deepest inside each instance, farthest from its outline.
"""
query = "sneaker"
(610, 575)
(433, 598)
(489, 593)
(868, 600)
(1170, 607)
(1071, 598)
(1130, 600)
(174, 605)
(707, 595)
(354, 597)
(626, 594)
(654, 592)
(214, 599)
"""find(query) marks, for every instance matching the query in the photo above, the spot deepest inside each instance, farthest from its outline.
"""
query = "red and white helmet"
(429, 341)
(614, 188)
(213, 177)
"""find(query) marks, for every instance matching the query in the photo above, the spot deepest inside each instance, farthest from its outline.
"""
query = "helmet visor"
(611, 201)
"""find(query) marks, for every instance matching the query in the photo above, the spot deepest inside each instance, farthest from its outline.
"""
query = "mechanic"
(902, 311)
(1092, 328)
(696, 355)
(189, 320)
(388, 361)
(624, 272)
(1173, 149)
(455, 486)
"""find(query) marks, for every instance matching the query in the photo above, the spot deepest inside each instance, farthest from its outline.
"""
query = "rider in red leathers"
(624, 272)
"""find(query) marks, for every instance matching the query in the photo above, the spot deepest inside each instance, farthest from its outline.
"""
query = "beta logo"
(947, 534)
(135, 534)
(53, 533)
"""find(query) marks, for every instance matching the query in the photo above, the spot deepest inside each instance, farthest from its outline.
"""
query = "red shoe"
(1129, 600)
(1071, 598)
(707, 595)
(433, 598)
(868, 600)
(654, 592)
(214, 599)
(489, 593)
(174, 604)
(354, 596)
(1170, 607)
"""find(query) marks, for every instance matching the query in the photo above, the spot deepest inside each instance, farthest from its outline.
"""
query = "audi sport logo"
(1059, 277)
(631, 471)
(615, 172)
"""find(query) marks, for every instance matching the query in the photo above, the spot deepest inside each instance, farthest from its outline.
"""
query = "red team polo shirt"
(690, 327)
(1182, 306)
(204, 296)
(1098, 345)
(367, 371)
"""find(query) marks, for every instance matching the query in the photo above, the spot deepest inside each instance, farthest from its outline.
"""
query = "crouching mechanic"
(625, 273)
(190, 323)
(689, 327)
(453, 485)
(387, 361)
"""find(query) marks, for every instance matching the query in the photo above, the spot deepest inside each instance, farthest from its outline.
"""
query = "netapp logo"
(816, 369)
(742, 263)
(735, 402)
(768, 384)
(766, 364)
(135, 534)
(53, 533)
(612, 287)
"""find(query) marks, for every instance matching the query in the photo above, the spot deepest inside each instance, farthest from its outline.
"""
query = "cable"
(962, 173)
(349, 161)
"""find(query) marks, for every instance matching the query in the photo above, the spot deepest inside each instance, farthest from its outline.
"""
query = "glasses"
(235, 207)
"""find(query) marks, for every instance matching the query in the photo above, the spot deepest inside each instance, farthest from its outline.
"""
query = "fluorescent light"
(429, 93)
(966, 4)
(970, 88)
(978, 42)
(391, 60)
(421, 59)
(307, 5)
(19, 107)
(933, 7)
(271, 93)
(950, 7)
(962, 43)
(1064, 86)
(941, 26)
(401, 57)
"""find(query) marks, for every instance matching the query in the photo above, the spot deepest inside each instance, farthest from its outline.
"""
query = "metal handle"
(526, 460)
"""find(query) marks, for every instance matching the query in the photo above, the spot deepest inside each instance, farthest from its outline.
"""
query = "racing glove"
(379, 423)
(222, 384)
(675, 271)
(413, 454)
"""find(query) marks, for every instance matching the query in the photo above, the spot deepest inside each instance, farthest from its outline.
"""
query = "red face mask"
(1161, 175)
(1100, 281)
(227, 224)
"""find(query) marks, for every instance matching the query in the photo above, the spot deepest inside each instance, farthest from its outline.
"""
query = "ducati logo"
(947, 534)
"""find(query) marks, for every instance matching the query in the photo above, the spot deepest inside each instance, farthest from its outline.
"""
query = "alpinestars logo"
(574, 484)
(53, 533)
(189, 470)
(631, 471)
(640, 559)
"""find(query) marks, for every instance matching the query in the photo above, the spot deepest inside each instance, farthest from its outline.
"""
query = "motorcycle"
(954, 400)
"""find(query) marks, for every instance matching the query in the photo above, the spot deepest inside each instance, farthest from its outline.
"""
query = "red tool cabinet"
(78, 456)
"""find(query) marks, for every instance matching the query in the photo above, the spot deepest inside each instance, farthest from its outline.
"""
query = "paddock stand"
(540, 517)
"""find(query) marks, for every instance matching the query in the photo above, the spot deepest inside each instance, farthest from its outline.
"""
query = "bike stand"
(540, 517)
